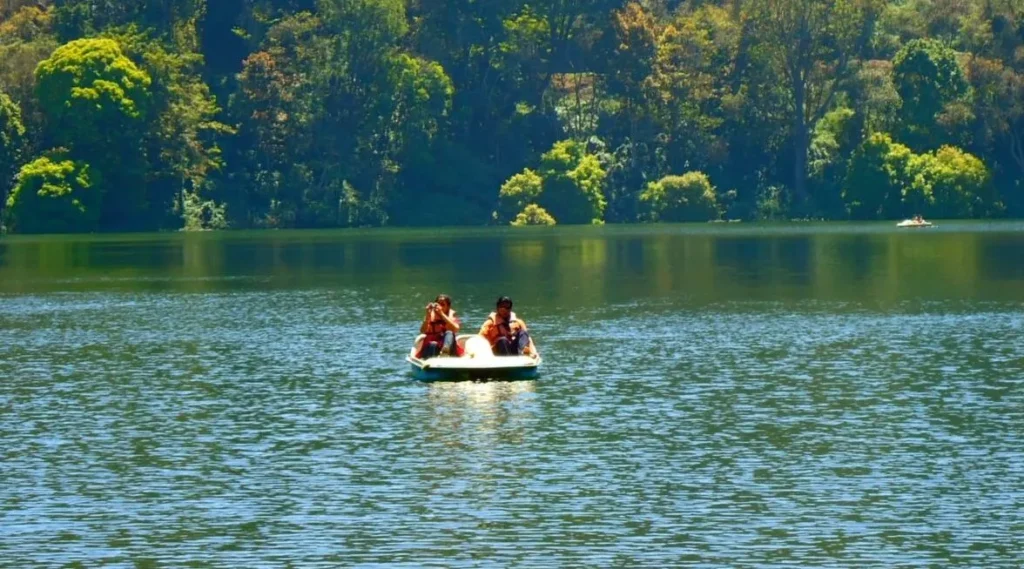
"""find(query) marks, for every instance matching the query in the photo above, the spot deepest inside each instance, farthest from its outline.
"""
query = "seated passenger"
(440, 326)
(506, 333)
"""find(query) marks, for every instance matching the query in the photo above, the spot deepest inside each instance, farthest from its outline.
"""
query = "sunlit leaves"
(55, 195)
(88, 87)
(689, 197)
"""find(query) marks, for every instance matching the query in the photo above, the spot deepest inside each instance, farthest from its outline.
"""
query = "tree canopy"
(193, 114)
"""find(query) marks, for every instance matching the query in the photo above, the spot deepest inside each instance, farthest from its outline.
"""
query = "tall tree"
(95, 100)
(813, 44)
(12, 140)
(931, 83)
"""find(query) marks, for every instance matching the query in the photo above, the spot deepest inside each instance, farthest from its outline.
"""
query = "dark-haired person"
(440, 326)
(507, 333)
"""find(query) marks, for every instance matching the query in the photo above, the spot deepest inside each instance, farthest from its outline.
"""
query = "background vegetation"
(165, 114)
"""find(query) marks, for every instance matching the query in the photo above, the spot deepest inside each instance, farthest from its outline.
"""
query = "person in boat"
(440, 325)
(507, 333)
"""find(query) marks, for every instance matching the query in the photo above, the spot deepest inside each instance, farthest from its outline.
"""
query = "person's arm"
(451, 322)
(426, 321)
(486, 329)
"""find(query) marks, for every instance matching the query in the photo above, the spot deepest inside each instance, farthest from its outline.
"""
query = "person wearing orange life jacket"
(507, 333)
(440, 326)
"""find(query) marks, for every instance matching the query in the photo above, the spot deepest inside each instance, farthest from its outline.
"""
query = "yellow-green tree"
(12, 140)
(573, 184)
(516, 194)
(533, 214)
(95, 100)
(90, 92)
(55, 195)
(689, 197)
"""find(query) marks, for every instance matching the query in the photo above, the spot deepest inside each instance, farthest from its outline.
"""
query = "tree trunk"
(800, 141)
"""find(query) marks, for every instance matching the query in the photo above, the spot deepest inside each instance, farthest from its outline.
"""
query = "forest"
(147, 115)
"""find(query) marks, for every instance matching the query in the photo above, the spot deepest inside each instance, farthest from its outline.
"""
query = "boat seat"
(459, 339)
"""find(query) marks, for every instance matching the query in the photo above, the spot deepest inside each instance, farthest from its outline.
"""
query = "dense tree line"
(164, 114)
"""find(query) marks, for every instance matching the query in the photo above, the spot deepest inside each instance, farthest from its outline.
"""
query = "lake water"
(711, 396)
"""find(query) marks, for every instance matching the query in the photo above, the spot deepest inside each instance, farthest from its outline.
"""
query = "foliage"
(876, 176)
(772, 203)
(517, 193)
(199, 215)
(887, 180)
(90, 91)
(182, 131)
(573, 184)
(930, 82)
(55, 195)
(689, 197)
(338, 113)
(960, 185)
(12, 141)
(811, 45)
(533, 214)
(833, 139)
(25, 40)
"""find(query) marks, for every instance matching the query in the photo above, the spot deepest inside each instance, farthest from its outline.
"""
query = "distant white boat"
(477, 362)
(914, 223)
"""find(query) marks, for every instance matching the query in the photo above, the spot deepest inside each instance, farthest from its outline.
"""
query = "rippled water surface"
(819, 396)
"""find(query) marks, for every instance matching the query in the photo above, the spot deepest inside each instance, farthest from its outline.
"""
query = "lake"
(719, 395)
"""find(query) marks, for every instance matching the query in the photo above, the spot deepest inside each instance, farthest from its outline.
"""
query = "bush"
(519, 191)
(961, 185)
(876, 177)
(689, 197)
(573, 189)
(55, 195)
(533, 214)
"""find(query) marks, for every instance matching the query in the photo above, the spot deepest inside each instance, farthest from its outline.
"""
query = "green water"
(711, 396)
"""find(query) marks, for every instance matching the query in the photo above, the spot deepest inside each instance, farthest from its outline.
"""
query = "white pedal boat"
(477, 362)
(914, 223)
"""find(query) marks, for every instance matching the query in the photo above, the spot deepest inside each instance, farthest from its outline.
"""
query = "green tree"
(691, 85)
(689, 197)
(25, 40)
(518, 192)
(874, 96)
(632, 64)
(55, 195)
(12, 141)
(876, 178)
(961, 185)
(813, 44)
(533, 214)
(833, 140)
(573, 184)
(181, 130)
(930, 82)
(89, 89)
(96, 101)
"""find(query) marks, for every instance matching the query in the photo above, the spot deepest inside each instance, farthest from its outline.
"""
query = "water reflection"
(481, 408)
(553, 268)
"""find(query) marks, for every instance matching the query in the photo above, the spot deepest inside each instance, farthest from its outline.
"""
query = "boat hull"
(477, 363)
(507, 368)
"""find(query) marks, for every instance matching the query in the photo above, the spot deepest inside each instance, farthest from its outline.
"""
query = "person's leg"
(449, 343)
(503, 347)
(430, 350)
(522, 342)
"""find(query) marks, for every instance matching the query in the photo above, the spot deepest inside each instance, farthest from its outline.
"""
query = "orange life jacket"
(439, 327)
(504, 328)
